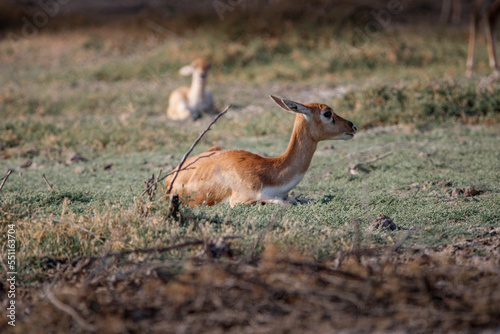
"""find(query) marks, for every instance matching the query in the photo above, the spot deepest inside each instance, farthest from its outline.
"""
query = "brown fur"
(218, 175)
(193, 101)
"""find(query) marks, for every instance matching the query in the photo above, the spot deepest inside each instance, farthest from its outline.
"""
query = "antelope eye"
(328, 114)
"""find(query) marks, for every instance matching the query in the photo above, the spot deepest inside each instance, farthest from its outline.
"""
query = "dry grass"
(450, 288)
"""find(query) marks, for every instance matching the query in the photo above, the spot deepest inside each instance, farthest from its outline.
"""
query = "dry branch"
(196, 242)
(71, 311)
(211, 248)
(352, 169)
(176, 172)
(151, 185)
(179, 167)
(5, 178)
(148, 189)
(155, 249)
(47, 182)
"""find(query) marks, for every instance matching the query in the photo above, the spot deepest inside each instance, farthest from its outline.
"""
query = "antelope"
(236, 176)
(488, 10)
(185, 102)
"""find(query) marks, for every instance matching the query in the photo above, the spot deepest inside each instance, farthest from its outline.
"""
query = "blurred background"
(391, 49)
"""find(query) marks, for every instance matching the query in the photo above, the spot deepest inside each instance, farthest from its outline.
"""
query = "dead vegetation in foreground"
(448, 288)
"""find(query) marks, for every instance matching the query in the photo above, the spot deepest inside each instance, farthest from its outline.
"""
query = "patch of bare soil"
(448, 288)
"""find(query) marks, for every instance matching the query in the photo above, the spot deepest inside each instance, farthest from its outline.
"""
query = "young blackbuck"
(235, 176)
(192, 101)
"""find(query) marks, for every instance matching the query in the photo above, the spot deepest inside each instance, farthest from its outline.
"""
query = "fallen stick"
(155, 249)
(196, 242)
(176, 172)
(116, 255)
(5, 178)
(47, 182)
(71, 311)
(352, 169)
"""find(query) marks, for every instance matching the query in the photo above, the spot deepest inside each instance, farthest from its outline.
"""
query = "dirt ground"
(453, 288)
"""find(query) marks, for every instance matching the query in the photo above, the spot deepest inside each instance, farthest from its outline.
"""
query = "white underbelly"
(200, 103)
(280, 191)
(197, 105)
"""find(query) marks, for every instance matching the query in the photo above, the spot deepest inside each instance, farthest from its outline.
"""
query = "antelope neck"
(297, 158)
(197, 89)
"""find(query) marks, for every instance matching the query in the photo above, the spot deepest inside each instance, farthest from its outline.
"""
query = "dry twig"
(196, 242)
(151, 185)
(155, 249)
(179, 167)
(47, 182)
(352, 169)
(5, 178)
(71, 311)
(165, 176)
(176, 172)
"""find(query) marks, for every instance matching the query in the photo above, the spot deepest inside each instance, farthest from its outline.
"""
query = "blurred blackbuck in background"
(192, 102)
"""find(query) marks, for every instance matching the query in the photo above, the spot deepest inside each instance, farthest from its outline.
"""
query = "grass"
(405, 186)
(103, 95)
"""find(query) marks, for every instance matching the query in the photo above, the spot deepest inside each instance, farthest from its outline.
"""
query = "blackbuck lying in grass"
(194, 101)
(235, 176)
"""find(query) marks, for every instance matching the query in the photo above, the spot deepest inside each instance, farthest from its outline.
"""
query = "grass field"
(84, 127)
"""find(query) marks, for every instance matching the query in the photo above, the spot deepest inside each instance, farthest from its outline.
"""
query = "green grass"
(107, 203)
(104, 96)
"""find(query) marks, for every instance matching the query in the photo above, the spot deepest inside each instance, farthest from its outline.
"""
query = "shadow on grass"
(327, 199)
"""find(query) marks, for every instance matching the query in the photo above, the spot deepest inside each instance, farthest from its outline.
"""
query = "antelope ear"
(292, 106)
(186, 70)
